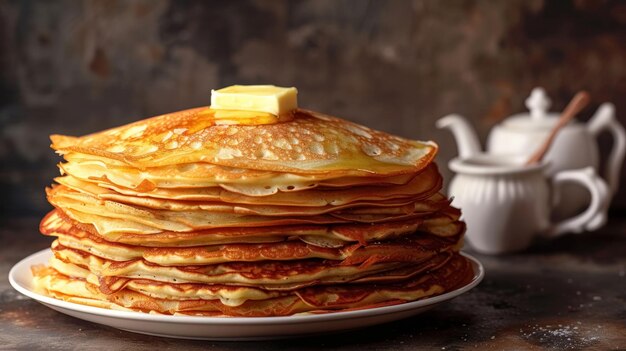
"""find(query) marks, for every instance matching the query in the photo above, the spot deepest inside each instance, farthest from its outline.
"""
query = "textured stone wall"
(76, 67)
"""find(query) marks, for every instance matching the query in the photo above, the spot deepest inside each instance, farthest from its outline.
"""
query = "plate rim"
(43, 255)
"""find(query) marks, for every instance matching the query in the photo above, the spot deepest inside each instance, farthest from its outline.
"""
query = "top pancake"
(310, 143)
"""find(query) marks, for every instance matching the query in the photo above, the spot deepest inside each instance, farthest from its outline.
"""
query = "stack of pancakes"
(187, 214)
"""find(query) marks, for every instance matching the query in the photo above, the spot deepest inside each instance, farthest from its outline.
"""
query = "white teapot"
(574, 147)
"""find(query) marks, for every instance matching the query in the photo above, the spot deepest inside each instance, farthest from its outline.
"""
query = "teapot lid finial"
(538, 103)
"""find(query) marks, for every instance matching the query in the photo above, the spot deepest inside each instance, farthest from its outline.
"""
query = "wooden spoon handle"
(579, 102)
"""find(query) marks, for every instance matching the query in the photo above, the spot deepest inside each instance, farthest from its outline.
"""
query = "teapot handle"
(604, 119)
(595, 215)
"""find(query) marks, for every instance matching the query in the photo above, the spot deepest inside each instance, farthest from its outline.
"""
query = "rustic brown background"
(80, 66)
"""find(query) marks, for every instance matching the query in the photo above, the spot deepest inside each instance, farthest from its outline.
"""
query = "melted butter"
(211, 117)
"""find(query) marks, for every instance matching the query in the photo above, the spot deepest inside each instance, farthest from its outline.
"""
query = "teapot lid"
(539, 118)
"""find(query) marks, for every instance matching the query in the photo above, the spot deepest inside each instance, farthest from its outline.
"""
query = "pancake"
(62, 193)
(441, 224)
(110, 216)
(344, 265)
(311, 143)
(457, 272)
(201, 175)
(270, 275)
(227, 294)
(399, 248)
(420, 186)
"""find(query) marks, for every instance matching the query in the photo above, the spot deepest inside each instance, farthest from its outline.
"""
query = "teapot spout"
(466, 138)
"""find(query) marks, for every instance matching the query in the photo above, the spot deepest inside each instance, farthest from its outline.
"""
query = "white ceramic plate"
(229, 328)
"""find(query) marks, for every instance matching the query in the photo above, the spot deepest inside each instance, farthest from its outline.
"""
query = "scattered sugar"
(560, 336)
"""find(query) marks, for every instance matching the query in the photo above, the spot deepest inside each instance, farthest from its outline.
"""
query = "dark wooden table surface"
(568, 293)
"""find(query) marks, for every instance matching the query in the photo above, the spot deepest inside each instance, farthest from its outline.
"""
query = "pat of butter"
(260, 98)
